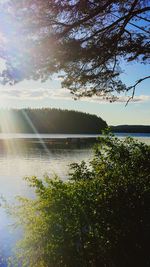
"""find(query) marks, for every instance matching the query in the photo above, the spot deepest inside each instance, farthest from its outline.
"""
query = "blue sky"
(50, 94)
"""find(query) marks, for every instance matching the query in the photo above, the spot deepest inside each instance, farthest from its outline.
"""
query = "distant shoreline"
(65, 136)
(22, 141)
(139, 129)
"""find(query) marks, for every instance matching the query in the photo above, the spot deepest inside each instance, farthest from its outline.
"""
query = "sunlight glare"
(10, 128)
(35, 131)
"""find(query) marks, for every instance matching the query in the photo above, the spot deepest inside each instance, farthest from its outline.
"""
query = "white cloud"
(64, 94)
(2, 61)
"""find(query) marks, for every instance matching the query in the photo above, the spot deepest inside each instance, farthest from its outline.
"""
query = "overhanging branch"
(133, 87)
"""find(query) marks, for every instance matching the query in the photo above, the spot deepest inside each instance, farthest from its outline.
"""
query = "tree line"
(131, 129)
(48, 120)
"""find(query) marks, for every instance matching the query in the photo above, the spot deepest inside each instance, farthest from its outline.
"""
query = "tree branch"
(133, 87)
(146, 19)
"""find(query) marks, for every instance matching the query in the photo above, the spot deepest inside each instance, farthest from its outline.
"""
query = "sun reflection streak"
(35, 131)
(9, 124)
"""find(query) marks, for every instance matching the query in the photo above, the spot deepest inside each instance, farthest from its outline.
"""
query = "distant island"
(48, 120)
(131, 129)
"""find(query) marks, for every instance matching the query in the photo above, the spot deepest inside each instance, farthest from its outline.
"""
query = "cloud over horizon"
(10, 92)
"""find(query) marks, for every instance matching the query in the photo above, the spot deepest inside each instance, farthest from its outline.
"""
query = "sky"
(34, 94)
(50, 94)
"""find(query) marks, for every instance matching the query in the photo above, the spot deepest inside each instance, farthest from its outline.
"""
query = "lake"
(29, 154)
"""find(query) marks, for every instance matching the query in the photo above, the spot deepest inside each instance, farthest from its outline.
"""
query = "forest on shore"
(48, 120)
(52, 120)
(131, 129)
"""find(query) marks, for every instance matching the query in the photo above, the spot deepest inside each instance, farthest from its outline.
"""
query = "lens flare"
(10, 128)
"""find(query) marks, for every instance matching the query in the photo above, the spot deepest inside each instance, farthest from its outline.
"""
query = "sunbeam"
(8, 125)
(11, 126)
(35, 131)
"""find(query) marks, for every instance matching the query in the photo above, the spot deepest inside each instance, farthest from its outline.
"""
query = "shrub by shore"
(100, 217)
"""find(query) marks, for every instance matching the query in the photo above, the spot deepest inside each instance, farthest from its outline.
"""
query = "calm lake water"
(26, 155)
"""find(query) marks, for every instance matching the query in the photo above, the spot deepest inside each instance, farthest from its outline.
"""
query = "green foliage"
(99, 218)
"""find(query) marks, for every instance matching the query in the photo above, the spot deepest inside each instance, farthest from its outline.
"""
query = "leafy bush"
(99, 218)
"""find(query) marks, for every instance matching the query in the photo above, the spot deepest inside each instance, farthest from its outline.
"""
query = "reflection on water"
(29, 159)
(25, 157)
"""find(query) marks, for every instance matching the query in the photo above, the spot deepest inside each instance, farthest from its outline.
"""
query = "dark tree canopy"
(50, 121)
(84, 40)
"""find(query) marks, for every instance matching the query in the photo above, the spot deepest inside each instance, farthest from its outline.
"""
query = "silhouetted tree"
(82, 39)
(50, 121)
